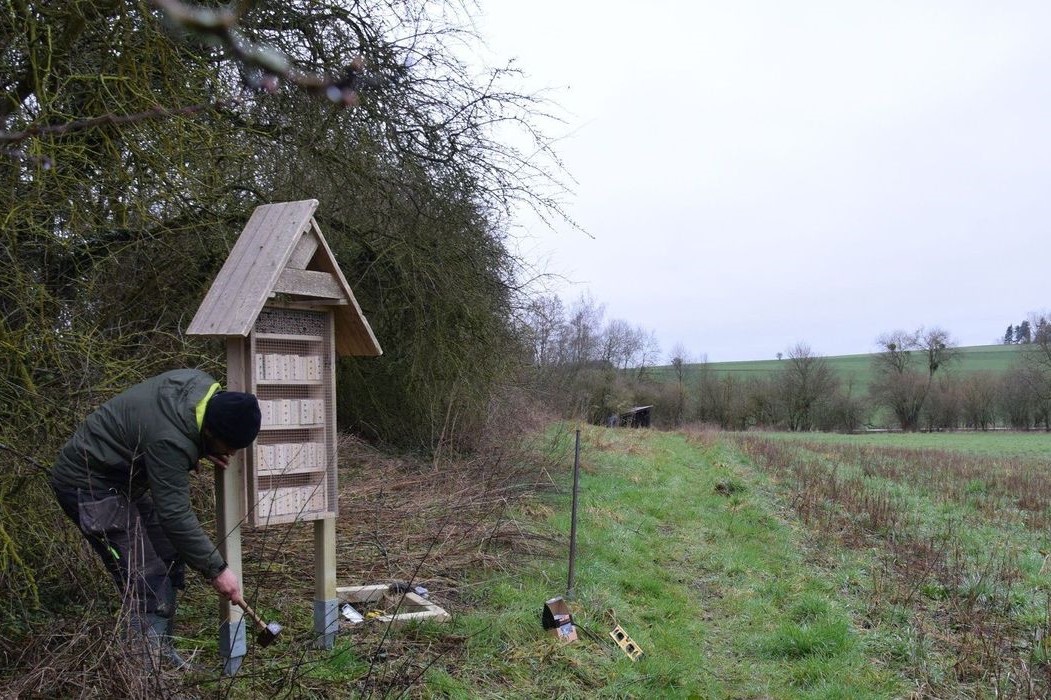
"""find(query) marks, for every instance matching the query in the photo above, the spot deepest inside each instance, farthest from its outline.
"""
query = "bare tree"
(943, 408)
(896, 350)
(1036, 358)
(616, 343)
(1020, 398)
(806, 381)
(584, 331)
(900, 384)
(729, 401)
(679, 360)
(1041, 328)
(649, 352)
(845, 411)
(978, 394)
(544, 321)
(634, 344)
(938, 348)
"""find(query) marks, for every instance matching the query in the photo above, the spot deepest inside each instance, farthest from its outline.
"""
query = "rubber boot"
(153, 634)
(173, 656)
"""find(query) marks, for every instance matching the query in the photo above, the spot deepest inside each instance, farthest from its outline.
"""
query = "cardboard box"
(558, 621)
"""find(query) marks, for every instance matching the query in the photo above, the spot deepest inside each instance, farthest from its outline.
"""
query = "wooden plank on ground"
(362, 594)
(434, 614)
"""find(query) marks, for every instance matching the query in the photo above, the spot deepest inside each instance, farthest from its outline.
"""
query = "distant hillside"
(977, 358)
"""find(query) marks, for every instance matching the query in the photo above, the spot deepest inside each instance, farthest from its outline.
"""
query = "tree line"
(559, 335)
(913, 387)
(1027, 331)
(913, 384)
(582, 364)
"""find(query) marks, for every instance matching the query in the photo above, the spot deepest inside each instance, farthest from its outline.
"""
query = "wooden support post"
(229, 494)
(326, 605)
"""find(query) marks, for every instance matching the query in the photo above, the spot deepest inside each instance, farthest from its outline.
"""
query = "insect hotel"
(286, 312)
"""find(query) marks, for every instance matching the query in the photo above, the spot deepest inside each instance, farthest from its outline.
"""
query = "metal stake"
(573, 518)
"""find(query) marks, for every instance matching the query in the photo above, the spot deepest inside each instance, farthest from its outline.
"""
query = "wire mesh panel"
(292, 469)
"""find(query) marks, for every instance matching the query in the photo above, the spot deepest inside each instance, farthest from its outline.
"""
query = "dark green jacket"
(148, 437)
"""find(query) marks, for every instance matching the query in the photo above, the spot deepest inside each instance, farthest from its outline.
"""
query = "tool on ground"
(268, 632)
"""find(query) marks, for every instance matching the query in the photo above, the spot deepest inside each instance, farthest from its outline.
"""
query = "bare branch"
(222, 26)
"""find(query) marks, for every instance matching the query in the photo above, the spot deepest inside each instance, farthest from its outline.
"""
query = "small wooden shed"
(286, 312)
(635, 417)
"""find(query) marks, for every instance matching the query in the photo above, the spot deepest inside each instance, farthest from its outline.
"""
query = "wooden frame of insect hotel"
(286, 312)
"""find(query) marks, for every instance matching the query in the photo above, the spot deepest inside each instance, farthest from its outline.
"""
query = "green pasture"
(858, 368)
(994, 443)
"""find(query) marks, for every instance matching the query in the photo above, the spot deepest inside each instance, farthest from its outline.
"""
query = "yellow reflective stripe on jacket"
(203, 404)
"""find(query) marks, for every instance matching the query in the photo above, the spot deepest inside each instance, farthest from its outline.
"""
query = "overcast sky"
(756, 174)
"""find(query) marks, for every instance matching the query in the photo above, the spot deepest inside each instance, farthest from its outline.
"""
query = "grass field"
(858, 368)
(991, 443)
(679, 545)
(751, 566)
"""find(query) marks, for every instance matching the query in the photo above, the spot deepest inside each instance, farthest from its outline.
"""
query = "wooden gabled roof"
(281, 250)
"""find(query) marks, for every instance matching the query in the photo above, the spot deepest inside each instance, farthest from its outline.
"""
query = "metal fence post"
(573, 518)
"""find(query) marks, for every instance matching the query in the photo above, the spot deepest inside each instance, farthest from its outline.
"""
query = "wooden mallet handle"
(252, 614)
(267, 632)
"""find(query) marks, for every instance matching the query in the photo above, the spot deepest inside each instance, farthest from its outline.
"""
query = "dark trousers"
(127, 536)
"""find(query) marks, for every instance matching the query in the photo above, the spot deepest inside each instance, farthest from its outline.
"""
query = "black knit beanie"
(233, 417)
